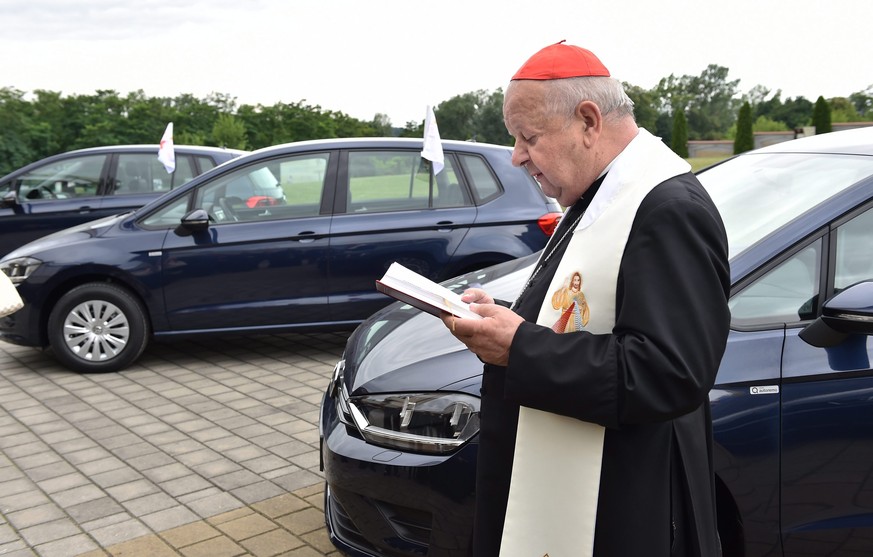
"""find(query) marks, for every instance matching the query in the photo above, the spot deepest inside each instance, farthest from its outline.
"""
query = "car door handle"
(306, 237)
(85, 209)
(444, 225)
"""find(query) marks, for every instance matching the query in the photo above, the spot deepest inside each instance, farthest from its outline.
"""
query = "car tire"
(97, 327)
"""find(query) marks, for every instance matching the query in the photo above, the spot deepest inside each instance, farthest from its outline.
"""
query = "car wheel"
(97, 327)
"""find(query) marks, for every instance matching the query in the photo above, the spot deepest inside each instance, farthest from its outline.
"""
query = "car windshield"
(758, 193)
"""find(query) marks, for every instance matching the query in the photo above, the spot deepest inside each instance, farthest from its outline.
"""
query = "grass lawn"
(698, 163)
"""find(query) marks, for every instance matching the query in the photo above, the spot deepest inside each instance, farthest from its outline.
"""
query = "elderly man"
(598, 440)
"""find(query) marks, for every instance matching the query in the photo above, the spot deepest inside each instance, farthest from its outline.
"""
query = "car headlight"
(432, 423)
(20, 268)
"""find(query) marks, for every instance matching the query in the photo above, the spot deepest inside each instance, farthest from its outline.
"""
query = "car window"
(854, 256)
(143, 173)
(786, 294)
(168, 216)
(485, 184)
(276, 189)
(758, 193)
(69, 178)
(382, 181)
(205, 163)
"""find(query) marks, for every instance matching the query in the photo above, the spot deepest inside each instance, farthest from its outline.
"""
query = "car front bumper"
(381, 502)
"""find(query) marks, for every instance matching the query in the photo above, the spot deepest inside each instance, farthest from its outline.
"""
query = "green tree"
(794, 113)
(646, 106)
(488, 121)
(414, 129)
(456, 117)
(229, 132)
(17, 126)
(745, 140)
(708, 100)
(764, 124)
(843, 110)
(863, 101)
(821, 116)
(381, 125)
(679, 140)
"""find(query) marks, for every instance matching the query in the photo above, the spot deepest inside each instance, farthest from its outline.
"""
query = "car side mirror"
(848, 313)
(9, 200)
(195, 221)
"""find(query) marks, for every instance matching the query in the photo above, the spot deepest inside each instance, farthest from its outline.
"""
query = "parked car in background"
(290, 237)
(792, 407)
(70, 188)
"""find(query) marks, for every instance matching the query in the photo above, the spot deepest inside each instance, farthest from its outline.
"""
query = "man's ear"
(588, 113)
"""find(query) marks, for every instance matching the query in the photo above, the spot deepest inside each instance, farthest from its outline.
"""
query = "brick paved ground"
(203, 448)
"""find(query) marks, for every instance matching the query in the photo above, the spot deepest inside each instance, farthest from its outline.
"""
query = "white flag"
(167, 154)
(433, 147)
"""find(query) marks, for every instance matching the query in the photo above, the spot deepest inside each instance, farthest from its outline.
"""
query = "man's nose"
(519, 155)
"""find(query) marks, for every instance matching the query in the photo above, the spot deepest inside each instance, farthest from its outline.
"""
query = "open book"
(421, 292)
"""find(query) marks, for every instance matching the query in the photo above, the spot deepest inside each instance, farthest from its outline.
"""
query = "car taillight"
(549, 222)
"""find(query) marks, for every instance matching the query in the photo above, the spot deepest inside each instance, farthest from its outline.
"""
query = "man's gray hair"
(606, 92)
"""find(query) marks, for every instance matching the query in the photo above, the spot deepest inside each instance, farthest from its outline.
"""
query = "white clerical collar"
(608, 189)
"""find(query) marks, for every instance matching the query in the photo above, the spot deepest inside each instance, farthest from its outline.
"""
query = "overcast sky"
(395, 57)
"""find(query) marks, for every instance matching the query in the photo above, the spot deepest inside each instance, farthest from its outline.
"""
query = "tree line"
(678, 109)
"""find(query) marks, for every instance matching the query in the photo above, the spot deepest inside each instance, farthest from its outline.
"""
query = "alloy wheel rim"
(96, 331)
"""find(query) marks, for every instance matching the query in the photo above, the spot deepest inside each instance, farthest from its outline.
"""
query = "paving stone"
(215, 547)
(117, 476)
(150, 504)
(302, 521)
(235, 479)
(120, 532)
(101, 466)
(49, 531)
(201, 456)
(94, 509)
(247, 526)
(131, 490)
(184, 485)
(22, 500)
(270, 544)
(151, 461)
(65, 547)
(34, 515)
(169, 518)
(77, 495)
(280, 506)
(166, 472)
(215, 504)
(151, 546)
(189, 534)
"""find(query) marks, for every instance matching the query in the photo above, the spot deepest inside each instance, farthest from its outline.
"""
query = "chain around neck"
(545, 259)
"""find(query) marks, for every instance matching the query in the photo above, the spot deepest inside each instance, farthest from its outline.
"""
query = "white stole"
(552, 505)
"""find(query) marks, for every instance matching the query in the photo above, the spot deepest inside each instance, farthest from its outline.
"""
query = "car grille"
(344, 528)
(401, 532)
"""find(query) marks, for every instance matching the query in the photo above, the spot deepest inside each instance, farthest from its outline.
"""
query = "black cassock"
(647, 383)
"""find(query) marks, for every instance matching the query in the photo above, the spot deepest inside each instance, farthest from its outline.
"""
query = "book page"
(431, 297)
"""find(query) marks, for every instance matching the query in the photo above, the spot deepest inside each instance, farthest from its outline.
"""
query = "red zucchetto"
(560, 61)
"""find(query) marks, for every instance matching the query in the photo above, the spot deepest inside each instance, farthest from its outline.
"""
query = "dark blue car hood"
(422, 354)
(67, 236)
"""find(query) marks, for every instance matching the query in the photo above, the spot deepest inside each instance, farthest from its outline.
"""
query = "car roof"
(857, 141)
(380, 142)
(140, 147)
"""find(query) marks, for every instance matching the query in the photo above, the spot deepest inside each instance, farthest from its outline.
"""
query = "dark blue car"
(290, 237)
(792, 405)
(71, 188)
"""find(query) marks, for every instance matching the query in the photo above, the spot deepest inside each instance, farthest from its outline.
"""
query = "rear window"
(484, 183)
